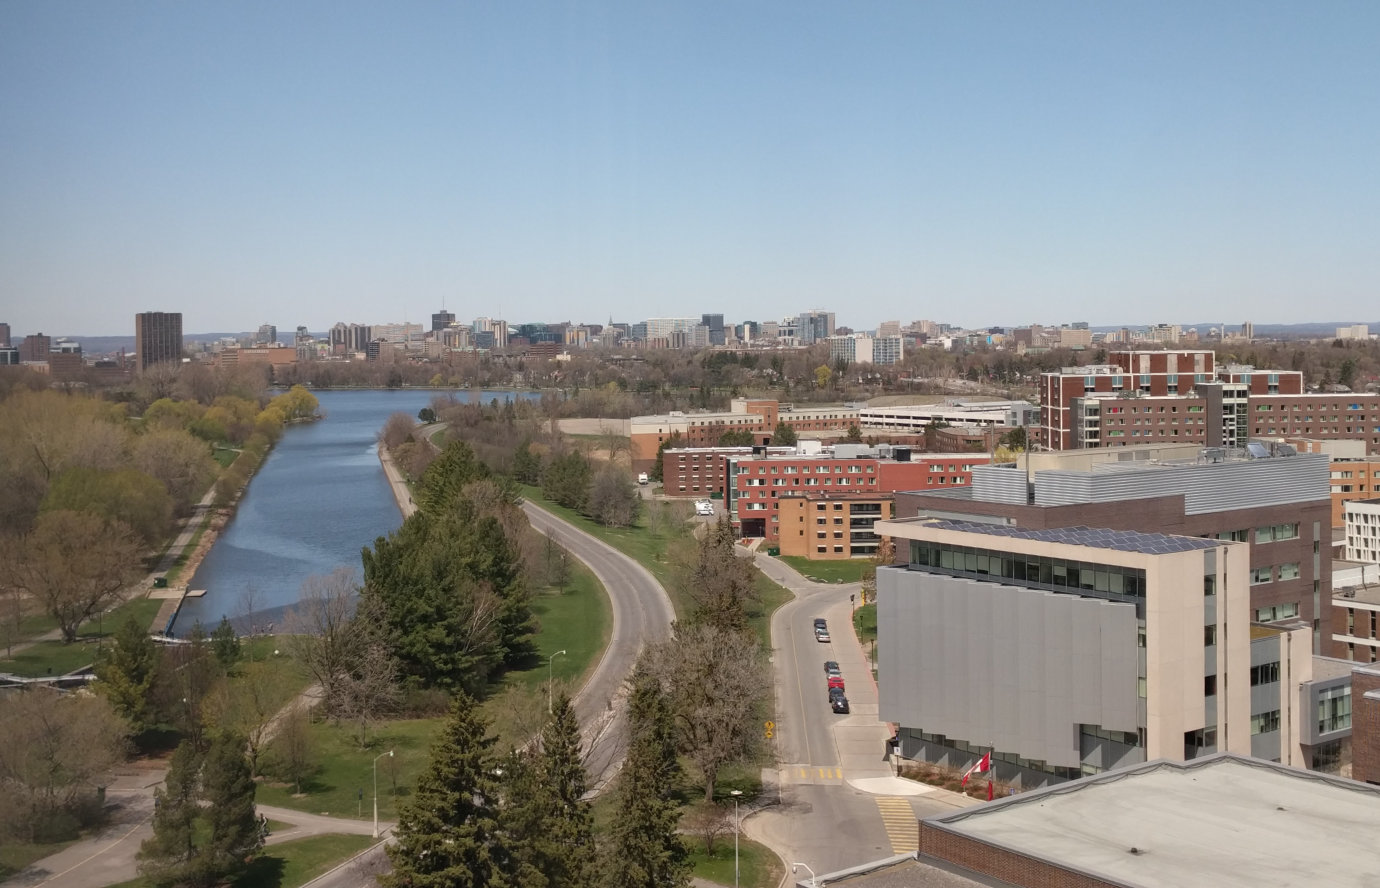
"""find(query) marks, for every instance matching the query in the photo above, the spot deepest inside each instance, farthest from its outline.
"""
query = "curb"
(344, 863)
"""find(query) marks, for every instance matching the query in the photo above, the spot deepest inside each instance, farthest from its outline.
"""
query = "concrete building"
(959, 414)
(1276, 504)
(1361, 519)
(35, 348)
(157, 338)
(441, 320)
(1354, 331)
(714, 324)
(349, 339)
(267, 335)
(4, 335)
(1224, 820)
(1071, 651)
(862, 349)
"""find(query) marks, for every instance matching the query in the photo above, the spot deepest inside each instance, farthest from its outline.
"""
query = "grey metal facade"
(1003, 665)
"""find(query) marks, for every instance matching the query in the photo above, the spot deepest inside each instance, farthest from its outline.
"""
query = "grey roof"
(1094, 537)
(1223, 820)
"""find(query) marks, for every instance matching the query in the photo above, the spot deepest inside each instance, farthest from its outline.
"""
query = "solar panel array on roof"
(1093, 537)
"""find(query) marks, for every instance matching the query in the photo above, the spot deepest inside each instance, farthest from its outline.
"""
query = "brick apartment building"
(847, 469)
(1182, 397)
(831, 526)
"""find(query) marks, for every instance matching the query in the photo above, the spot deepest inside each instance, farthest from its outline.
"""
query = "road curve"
(642, 613)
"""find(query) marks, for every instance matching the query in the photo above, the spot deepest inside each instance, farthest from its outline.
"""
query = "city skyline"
(982, 165)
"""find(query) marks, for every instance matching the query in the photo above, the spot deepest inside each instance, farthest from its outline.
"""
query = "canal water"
(319, 498)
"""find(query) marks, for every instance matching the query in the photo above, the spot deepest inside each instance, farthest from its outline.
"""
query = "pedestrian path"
(901, 825)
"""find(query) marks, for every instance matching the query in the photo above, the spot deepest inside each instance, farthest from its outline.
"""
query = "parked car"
(822, 635)
(837, 701)
(642, 478)
(835, 681)
(821, 624)
(704, 507)
(831, 667)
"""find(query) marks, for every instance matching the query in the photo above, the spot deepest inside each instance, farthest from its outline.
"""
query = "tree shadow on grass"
(264, 872)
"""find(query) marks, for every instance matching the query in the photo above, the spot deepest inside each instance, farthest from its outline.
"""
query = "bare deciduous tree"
(292, 748)
(247, 706)
(320, 634)
(74, 564)
(613, 498)
(55, 749)
(707, 822)
(715, 681)
(397, 429)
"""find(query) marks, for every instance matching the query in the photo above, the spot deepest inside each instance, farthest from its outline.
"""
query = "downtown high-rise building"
(158, 337)
(441, 320)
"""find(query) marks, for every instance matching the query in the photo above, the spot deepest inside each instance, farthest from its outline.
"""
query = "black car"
(821, 624)
(831, 668)
(838, 701)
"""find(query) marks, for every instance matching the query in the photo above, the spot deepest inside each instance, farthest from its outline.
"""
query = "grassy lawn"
(16, 855)
(758, 865)
(343, 770)
(55, 658)
(865, 623)
(290, 864)
(224, 455)
(577, 621)
(840, 571)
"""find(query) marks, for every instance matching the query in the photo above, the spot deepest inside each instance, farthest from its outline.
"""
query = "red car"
(836, 681)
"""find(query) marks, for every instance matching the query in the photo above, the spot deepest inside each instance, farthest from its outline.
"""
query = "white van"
(704, 507)
(642, 478)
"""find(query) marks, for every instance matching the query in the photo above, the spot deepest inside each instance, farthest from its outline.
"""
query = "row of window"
(1053, 572)
(1288, 571)
(1265, 722)
(1277, 612)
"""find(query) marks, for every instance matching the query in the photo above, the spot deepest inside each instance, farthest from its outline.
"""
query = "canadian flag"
(982, 764)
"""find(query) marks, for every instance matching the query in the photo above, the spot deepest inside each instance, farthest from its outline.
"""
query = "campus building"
(1182, 397)
(760, 481)
(1274, 500)
(1070, 651)
(831, 526)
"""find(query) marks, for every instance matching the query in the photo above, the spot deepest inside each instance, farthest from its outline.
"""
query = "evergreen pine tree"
(169, 856)
(449, 834)
(644, 848)
(126, 672)
(228, 789)
(225, 644)
(549, 822)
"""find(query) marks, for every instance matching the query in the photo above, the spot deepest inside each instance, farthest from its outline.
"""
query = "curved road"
(642, 613)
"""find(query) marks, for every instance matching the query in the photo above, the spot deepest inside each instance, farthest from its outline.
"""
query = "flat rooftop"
(1093, 537)
(1224, 820)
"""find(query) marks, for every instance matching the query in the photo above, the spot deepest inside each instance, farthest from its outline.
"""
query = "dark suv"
(837, 701)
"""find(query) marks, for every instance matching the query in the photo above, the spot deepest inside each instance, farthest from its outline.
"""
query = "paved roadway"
(839, 804)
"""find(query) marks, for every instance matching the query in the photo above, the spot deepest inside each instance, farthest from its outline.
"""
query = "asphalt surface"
(836, 802)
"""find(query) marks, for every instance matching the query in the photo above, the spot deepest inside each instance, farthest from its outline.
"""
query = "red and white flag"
(982, 764)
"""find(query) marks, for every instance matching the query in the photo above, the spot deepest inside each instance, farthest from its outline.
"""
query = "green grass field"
(290, 864)
(758, 865)
(865, 622)
(16, 855)
(577, 621)
(55, 658)
(344, 770)
(849, 571)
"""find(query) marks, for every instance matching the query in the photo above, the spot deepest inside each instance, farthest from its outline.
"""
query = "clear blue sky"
(970, 162)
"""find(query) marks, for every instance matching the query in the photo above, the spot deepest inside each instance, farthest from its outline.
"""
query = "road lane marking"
(899, 819)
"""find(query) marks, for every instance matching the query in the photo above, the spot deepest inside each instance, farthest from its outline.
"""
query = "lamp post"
(813, 882)
(550, 680)
(737, 828)
(389, 753)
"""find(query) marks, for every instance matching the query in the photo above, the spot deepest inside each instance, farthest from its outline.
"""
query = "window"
(1278, 612)
(1209, 636)
(1235, 536)
(1276, 532)
(1209, 585)
(1289, 571)
(1334, 709)
(1265, 722)
(1265, 673)
(1209, 686)
(1262, 575)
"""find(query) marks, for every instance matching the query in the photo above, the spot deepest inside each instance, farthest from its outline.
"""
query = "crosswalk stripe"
(899, 820)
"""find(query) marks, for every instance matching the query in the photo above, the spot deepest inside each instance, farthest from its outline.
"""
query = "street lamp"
(813, 882)
(737, 828)
(549, 679)
(389, 753)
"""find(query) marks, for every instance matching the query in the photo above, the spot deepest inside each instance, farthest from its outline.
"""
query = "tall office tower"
(158, 337)
(267, 335)
(715, 323)
(889, 328)
(814, 326)
(34, 348)
(1248, 330)
(4, 335)
(441, 320)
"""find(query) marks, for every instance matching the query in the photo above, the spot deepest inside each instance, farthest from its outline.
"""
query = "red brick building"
(1365, 724)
